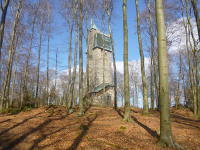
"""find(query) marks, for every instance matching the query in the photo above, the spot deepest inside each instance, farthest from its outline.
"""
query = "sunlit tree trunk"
(196, 14)
(165, 124)
(12, 45)
(69, 71)
(39, 55)
(72, 92)
(70, 52)
(26, 72)
(4, 7)
(13, 85)
(177, 95)
(47, 86)
(196, 56)
(126, 70)
(144, 82)
(81, 103)
(192, 59)
(153, 80)
(114, 66)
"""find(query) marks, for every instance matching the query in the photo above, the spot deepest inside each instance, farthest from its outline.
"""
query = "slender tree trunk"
(144, 82)
(47, 86)
(4, 8)
(26, 72)
(165, 124)
(126, 70)
(194, 64)
(136, 95)
(195, 56)
(196, 14)
(88, 65)
(114, 63)
(153, 82)
(13, 41)
(177, 96)
(70, 52)
(56, 72)
(74, 70)
(39, 55)
(69, 70)
(81, 103)
(185, 24)
(13, 85)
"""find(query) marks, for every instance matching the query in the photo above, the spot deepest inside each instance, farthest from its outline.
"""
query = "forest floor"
(51, 128)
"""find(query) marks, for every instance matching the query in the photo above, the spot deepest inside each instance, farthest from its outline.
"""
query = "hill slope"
(100, 129)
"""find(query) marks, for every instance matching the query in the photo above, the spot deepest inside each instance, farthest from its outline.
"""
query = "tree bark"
(126, 70)
(26, 72)
(69, 69)
(153, 76)
(114, 67)
(196, 14)
(47, 86)
(81, 103)
(165, 124)
(2, 23)
(39, 55)
(6, 87)
(144, 82)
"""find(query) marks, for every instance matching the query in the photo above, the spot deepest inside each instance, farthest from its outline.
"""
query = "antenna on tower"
(93, 26)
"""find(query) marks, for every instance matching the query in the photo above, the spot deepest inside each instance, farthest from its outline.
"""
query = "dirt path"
(100, 129)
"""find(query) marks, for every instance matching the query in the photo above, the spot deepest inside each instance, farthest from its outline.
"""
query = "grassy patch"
(11, 111)
(123, 128)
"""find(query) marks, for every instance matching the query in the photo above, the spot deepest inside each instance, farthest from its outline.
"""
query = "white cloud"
(134, 65)
(176, 35)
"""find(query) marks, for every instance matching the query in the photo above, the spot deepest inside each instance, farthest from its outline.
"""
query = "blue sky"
(60, 35)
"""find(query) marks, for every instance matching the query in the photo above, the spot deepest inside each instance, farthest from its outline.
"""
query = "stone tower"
(99, 69)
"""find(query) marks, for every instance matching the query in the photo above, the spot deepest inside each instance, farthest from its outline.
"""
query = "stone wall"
(99, 66)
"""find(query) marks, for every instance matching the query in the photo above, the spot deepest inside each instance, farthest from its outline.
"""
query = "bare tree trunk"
(69, 70)
(70, 52)
(6, 87)
(56, 72)
(126, 70)
(177, 96)
(13, 85)
(165, 124)
(144, 84)
(26, 72)
(39, 55)
(114, 61)
(136, 95)
(196, 56)
(153, 82)
(81, 103)
(4, 8)
(196, 14)
(72, 97)
(192, 60)
(47, 88)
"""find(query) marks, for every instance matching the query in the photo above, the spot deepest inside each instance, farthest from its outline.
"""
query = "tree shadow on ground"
(149, 130)
(5, 120)
(16, 141)
(187, 124)
(185, 121)
(183, 118)
(20, 123)
(44, 136)
(84, 128)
